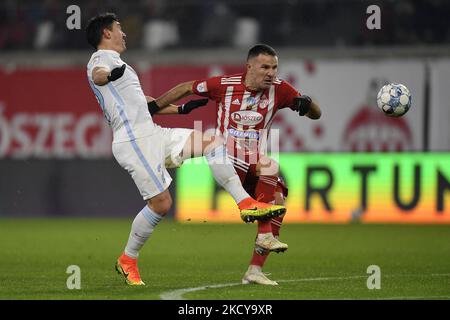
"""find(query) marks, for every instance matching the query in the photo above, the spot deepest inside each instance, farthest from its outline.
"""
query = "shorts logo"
(201, 87)
(247, 117)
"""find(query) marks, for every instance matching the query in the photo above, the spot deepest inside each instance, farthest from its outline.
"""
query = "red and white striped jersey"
(244, 114)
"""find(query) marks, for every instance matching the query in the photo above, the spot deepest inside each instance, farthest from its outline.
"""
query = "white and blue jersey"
(122, 101)
(141, 147)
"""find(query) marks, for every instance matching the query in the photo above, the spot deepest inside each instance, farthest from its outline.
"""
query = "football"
(394, 99)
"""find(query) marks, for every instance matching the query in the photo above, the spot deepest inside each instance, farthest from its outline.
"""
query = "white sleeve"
(105, 60)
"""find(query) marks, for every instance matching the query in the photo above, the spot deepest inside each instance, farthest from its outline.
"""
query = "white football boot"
(267, 241)
(255, 275)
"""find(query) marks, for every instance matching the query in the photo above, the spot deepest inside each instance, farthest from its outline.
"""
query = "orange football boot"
(127, 267)
(252, 210)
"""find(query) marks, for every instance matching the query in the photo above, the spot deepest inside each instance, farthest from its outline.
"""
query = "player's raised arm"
(176, 93)
(102, 75)
(174, 109)
(170, 109)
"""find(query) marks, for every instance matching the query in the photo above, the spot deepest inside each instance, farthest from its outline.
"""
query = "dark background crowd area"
(172, 24)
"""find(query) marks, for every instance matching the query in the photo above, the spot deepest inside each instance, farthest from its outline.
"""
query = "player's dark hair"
(261, 49)
(95, 27)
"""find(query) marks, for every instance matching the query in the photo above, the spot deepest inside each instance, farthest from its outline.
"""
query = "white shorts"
(147, 158)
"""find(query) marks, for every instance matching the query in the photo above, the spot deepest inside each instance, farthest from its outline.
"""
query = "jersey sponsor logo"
(201, 87)
(243, 134)
(236, 101)
(247, 117)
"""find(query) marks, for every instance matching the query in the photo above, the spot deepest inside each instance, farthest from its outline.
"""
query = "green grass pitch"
(323, 261)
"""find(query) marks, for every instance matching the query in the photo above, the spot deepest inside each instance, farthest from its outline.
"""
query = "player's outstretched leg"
(223, 171)
(141, 229)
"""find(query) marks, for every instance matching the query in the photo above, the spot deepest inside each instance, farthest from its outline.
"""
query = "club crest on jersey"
(263, 103)
(247, 117)
(201, 87)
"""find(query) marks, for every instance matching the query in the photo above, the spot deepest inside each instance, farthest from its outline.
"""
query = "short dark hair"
(261, 49)
(96, 25)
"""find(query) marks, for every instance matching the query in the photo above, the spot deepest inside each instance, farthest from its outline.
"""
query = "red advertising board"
(52, 113)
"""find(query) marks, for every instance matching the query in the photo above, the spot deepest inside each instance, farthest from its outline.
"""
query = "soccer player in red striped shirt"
(246, 106)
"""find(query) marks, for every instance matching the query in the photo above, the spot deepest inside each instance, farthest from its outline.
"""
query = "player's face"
(262, 71)
(118, 37)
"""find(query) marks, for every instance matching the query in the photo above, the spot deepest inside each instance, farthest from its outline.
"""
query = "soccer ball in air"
(394, 99)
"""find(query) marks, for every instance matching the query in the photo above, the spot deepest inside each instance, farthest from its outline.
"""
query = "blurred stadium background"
(55, 155)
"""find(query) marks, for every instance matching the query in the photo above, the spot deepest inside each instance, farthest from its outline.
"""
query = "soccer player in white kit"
(145, 149)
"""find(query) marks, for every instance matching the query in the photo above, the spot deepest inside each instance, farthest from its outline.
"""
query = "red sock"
(276, 225)
(265, 188)
(264, 226)
(264, 192)
(258, 260)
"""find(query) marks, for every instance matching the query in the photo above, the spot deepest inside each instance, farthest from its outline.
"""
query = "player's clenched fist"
(116, 73)
(302, 104)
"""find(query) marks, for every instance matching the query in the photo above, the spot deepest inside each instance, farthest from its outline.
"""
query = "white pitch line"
(178, 294)
(413, 298)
